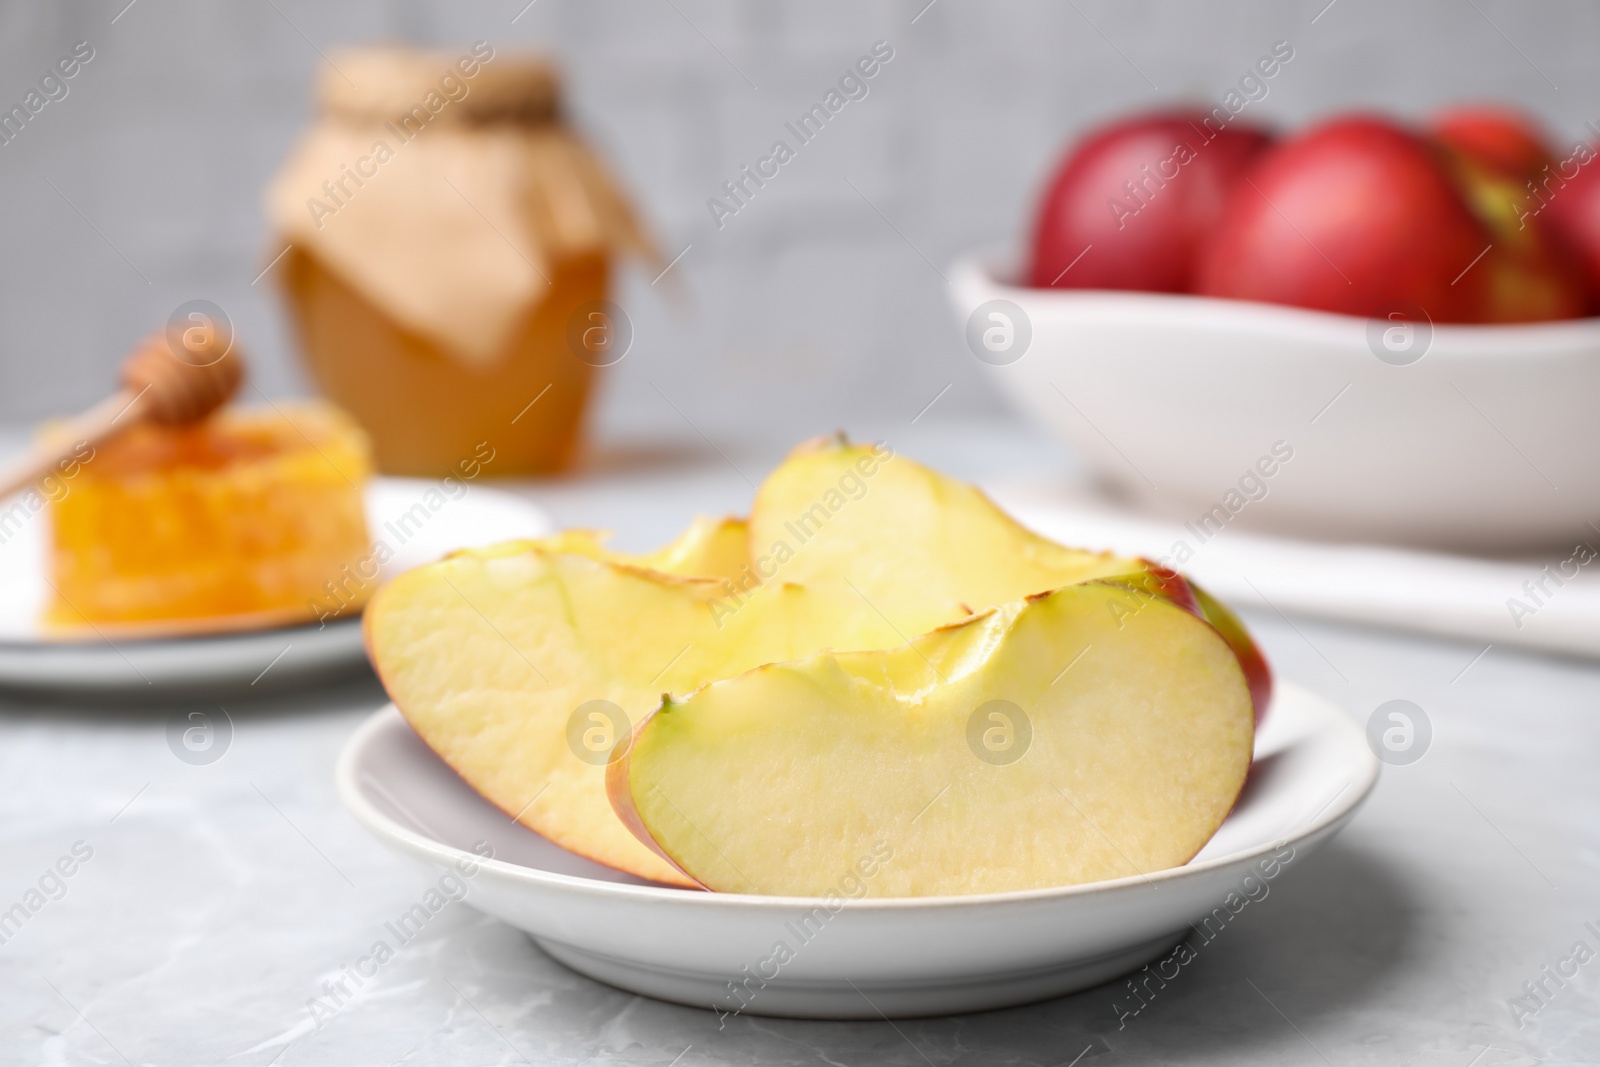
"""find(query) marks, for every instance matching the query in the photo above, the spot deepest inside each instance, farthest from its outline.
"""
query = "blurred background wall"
(821, 304)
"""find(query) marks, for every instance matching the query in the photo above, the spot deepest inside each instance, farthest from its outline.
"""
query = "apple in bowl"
(1135, 202)
(1358, 214)
(1362, 216)
(1385, 338)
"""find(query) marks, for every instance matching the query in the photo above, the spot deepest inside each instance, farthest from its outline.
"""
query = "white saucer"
(29, 659)
(871, 958)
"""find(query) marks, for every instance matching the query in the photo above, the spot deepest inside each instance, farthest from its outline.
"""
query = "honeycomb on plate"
(251, 516)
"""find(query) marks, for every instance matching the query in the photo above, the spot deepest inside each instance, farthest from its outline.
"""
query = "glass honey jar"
(450, 242)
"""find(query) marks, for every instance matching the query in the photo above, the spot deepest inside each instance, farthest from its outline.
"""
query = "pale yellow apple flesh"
(864, 774)
(489, 654)
(925, 550)
(707, 548)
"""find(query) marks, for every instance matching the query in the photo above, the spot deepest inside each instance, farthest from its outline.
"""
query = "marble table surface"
(207, 905)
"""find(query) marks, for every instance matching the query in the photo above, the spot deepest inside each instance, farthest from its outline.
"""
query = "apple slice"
(708, 548)
(1089, 733)
(497, 656)
(925, 550)
(919, 547)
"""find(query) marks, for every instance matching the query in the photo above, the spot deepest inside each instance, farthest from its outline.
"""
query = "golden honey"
(244, 517)
(423, 410)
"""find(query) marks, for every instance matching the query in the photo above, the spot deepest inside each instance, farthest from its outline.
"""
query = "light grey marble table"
(207, 905)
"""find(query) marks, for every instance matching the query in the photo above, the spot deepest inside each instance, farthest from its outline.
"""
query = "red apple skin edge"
(1354, 216)
(620, 793)
(1168, 208)
(1257, 672)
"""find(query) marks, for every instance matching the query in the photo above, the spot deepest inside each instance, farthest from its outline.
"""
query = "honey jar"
(449, 246)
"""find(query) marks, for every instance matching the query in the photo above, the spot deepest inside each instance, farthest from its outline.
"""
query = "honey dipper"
(157, 386)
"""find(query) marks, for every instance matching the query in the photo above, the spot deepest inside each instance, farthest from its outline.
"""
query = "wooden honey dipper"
(158, 386)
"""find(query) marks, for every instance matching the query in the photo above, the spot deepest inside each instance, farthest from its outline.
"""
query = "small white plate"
(31, 659)
(870, 958)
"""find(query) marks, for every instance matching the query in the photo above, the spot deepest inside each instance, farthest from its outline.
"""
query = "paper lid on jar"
(388, 83)
(444, 188)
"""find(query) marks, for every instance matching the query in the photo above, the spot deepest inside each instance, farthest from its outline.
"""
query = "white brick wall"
(807, 311)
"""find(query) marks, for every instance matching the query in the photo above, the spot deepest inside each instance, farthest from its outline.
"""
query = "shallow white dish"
(871, 958)
(1487, 440)
(30, 659)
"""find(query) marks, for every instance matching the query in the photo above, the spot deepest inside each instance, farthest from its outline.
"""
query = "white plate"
(1487, 440)
(896, 957)
(30, 660)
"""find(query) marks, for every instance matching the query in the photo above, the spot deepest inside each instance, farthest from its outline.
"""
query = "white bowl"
(871, 958)
(1488, 439)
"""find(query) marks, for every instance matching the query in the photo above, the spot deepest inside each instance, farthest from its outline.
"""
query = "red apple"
(1357, 215)
(1567, 200)
(1495, 136)
(1530, 276)
(1142, 196)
